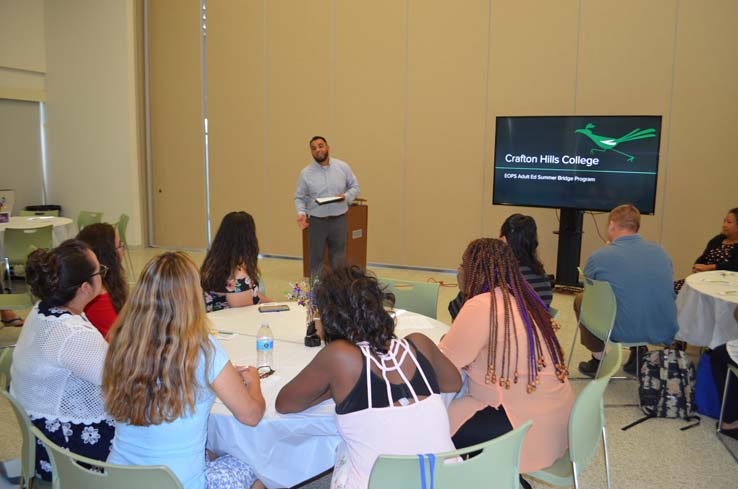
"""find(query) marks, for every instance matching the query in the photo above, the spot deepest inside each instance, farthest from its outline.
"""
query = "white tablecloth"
(63, 229)
(290, 325)
(284, 450)
(706, 306)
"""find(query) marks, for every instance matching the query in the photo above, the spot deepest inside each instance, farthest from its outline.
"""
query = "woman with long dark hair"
(103, 310)
(58, 361)
(386, 389)
(162, 373)
(229, 273)
(521, 234)
(504, 339)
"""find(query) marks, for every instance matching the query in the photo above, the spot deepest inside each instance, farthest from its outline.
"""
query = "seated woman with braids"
(521, 234)
(386, 388)
(504, 339)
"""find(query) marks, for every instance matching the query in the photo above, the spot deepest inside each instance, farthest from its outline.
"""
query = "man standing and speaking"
(324, 190)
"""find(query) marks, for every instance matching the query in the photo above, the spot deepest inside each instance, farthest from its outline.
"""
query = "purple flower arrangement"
(303, 294)
(300, 292)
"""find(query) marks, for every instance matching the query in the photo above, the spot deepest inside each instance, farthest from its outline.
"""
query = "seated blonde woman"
(504, 339)
(162, 373)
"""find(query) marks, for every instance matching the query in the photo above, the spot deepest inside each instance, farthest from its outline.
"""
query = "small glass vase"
(313, 328)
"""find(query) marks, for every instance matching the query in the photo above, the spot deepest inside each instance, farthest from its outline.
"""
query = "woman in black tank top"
(357, 398)
(352, 308)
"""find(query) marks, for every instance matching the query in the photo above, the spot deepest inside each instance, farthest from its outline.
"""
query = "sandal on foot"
(16, 321)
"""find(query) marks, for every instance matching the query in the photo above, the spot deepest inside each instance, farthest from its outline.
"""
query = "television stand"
(570, 247)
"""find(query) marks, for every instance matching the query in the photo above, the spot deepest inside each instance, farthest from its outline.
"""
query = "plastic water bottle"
(264, 346)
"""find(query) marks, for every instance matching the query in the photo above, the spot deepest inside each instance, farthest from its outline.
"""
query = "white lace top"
(57, 367)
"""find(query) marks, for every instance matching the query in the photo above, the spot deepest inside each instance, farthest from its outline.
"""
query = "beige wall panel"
(22, 85)
(235, 98)
(536, 77)
(22, 35)
(139, 90)
(625, 57)
(91, 134)
(176, 124)
(20, 152)
(299, 105)
(370, 109)
(447, 66)
(702, 165)
(22, 50)
(625, 67)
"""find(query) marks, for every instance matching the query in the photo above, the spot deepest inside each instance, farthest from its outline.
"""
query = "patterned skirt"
(341, 471)
(227, 472)
(89, 440)
(94, 441)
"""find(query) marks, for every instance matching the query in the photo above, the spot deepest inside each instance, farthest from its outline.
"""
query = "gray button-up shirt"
(325, 181)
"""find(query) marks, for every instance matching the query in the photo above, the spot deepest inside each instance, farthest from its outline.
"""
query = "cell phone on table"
(273, 307)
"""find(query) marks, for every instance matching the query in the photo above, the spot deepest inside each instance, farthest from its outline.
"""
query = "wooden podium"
(357, 219)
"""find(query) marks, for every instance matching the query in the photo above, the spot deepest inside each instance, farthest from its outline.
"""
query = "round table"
(284, 449)
(290, 325)
(706, 306)
(64, 227)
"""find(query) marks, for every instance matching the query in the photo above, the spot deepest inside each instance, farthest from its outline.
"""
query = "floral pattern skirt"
(341, 470)
(227, 472)
(89, 440)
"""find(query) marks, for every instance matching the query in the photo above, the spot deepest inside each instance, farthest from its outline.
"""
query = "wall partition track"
(206, 159)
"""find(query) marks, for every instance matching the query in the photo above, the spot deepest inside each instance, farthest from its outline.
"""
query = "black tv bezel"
(658, 161)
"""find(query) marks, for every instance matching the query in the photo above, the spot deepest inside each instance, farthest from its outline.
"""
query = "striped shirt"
(540, 284)
(317, 180)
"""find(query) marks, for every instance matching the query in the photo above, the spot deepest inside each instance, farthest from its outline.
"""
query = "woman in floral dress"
(229, 274)
(58, 360)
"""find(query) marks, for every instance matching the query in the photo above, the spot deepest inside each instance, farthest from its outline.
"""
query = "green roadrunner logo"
(606, 143)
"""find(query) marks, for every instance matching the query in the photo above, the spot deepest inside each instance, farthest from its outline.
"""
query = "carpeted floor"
(653, 454)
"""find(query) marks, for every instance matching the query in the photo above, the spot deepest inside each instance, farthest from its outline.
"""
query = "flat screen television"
(577, 162)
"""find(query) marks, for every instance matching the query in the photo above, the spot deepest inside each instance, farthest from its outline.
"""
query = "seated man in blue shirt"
(641, 276)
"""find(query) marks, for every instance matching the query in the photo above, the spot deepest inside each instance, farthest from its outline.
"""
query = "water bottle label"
(264, 344)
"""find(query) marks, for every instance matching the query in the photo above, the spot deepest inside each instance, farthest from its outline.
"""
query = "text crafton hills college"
(552, 159)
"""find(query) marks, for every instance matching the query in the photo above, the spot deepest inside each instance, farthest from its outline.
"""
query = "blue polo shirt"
(642, 279)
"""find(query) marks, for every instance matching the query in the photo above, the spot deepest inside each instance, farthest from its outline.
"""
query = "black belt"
(327, 218)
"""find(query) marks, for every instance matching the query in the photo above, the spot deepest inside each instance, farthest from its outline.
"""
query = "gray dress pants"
(322, 232)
